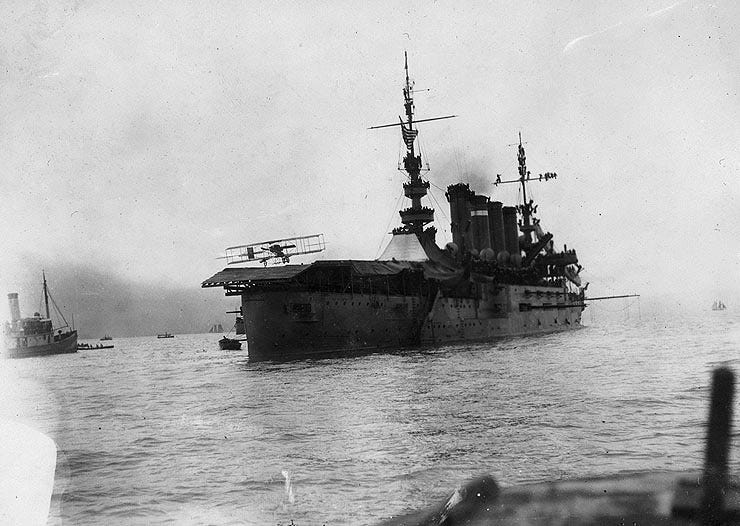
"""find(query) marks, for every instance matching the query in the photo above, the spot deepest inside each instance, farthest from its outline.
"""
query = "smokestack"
(496, 226)
(15, 309)
(479, 222)
(511, 230)
(459, 196)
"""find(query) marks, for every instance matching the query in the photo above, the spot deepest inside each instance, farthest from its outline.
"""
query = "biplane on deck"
(280, 250)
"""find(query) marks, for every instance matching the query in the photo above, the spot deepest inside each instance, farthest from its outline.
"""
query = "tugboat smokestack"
(15, 309)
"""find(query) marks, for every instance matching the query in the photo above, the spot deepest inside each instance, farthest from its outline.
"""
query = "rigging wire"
(443, 228)
(422, 154)
(439, 207)
(458, 164)
(59, 312)
(401, 151)
(390, 220)
(437, 187)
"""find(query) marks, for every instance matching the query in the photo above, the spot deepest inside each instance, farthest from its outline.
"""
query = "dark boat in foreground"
(37, 336)
(501, 276)
(710, 497)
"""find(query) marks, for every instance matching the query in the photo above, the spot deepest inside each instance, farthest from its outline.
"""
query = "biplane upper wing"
(275, 248)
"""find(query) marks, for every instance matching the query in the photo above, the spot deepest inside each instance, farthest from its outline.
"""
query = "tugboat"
(36, 336)
(501, 276)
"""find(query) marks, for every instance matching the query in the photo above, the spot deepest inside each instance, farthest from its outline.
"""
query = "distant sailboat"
(718, 305)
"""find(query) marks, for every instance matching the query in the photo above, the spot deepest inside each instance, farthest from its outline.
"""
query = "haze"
(139, 140)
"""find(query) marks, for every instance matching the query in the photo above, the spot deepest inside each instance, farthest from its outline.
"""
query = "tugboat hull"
(68, 344)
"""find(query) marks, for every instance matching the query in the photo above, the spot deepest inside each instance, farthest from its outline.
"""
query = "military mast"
(528, 208)
(416, 216)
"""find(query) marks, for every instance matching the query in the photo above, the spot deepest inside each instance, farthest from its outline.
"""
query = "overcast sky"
(144, 138)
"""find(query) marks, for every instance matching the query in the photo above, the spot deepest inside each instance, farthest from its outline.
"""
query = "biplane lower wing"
(280, 250)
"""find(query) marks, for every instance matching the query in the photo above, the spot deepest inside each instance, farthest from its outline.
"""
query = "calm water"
(178, 431)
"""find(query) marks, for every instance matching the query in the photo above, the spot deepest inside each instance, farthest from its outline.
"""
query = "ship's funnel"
(459, 196)
(15, 309)
(511, 232)
(479, 222)
(496, 226)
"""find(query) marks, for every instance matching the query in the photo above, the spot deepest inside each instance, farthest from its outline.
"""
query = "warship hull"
(500, 276)
(289, 324)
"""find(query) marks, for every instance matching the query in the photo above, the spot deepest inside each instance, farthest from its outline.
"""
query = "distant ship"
(217, 327)
(106, 338)
(501, 276)
(718, 305)
(165, 335)
(36, 336)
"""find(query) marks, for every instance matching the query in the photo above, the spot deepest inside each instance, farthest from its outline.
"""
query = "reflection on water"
(176, 430)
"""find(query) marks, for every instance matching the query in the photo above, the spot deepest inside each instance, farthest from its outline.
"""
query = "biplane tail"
(277, 250)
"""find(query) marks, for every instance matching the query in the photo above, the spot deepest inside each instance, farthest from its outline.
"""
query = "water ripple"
(163, 432)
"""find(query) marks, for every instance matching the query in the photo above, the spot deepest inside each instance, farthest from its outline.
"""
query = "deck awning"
(404, 247)
(366, 267)
(236, 276)
(233, 278)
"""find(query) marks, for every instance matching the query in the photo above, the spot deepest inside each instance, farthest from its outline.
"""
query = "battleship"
(36, 336)
(500, 276)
